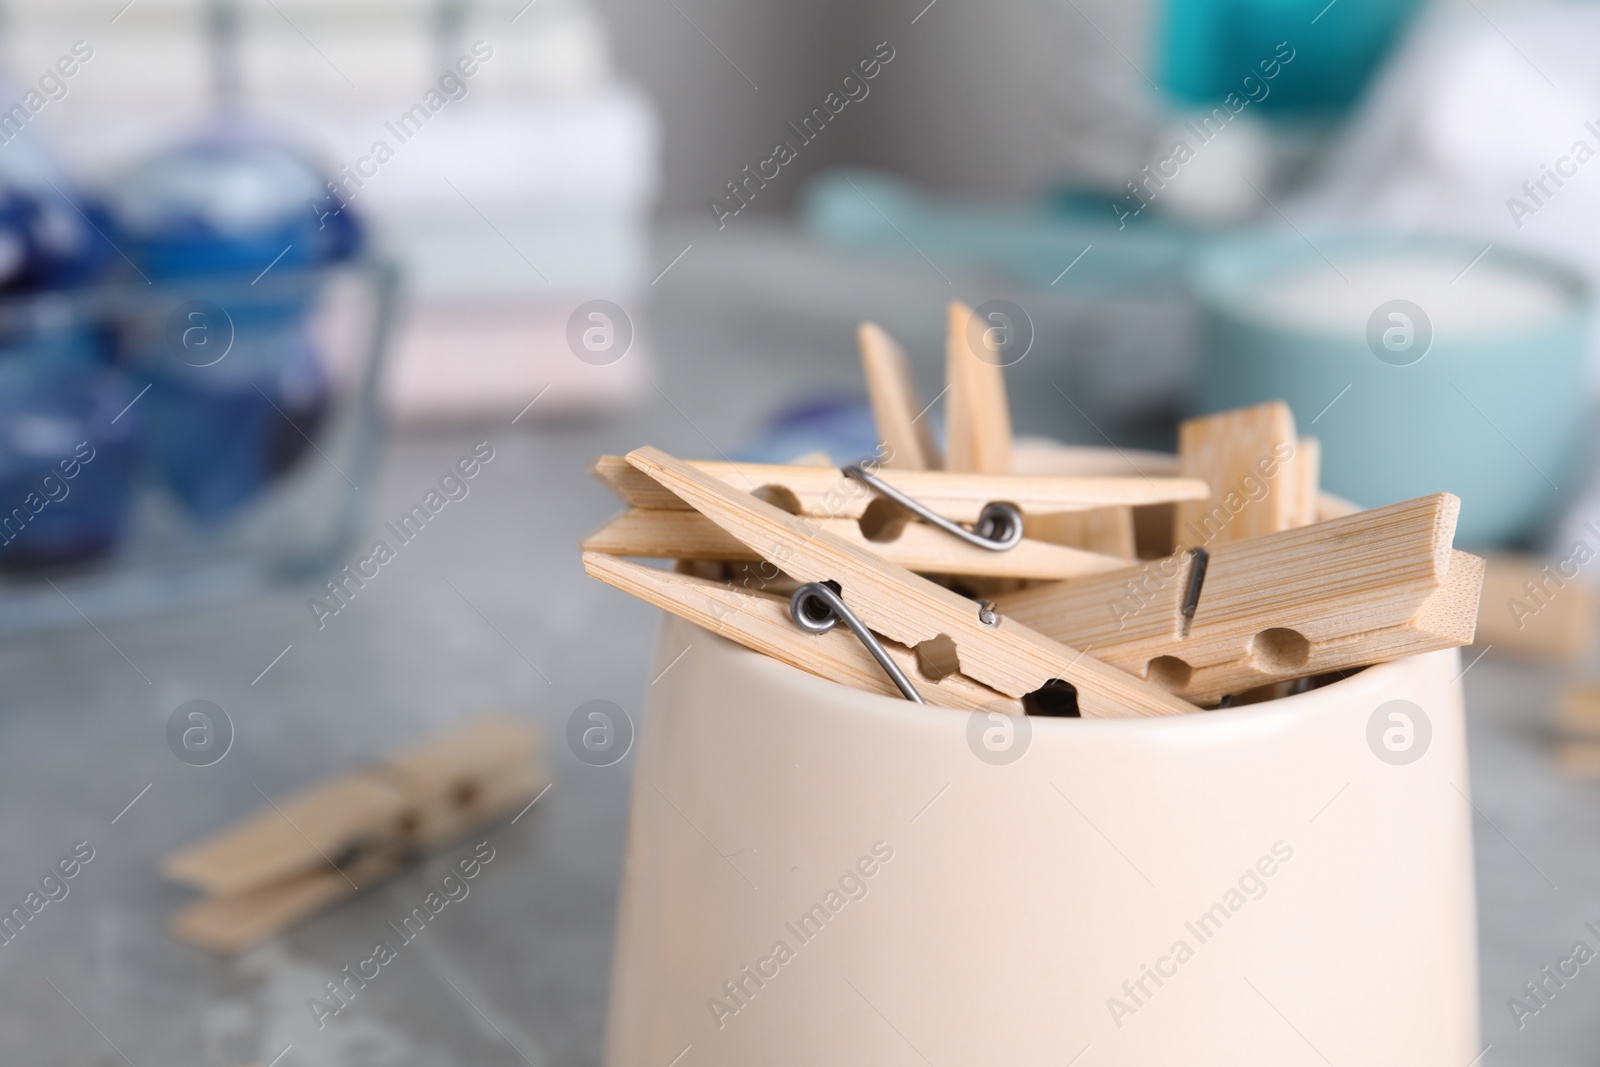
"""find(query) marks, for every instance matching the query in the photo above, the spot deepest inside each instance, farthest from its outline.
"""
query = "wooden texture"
(1248, 458)
(1532, 611)
(898, 604)
(977, 417)
(918, 547)
(326, 825)
(1108, 531)
(456, 782)
(824, 492)
(234, 923)
(1307, 480)
(297, 856)
(420, 795)
(1334, 507)
(762, 623)
(896, 408)
(1364, 589)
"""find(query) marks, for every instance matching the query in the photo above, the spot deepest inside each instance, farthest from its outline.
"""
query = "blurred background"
(275, 273)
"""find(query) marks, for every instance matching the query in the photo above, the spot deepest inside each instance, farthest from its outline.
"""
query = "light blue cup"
(1494, 411)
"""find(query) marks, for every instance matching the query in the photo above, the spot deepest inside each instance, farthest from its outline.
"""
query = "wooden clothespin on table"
(1532, 610)
(328, 842)
(1577, 741)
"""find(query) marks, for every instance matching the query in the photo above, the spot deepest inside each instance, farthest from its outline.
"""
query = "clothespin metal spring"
(999, 524)
(817, 608)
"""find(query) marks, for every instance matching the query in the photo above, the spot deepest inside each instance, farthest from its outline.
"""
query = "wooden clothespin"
(1252, 460)
(688, 535)
(977, 416)
(329, 841)
(895, 406)
(1577, 745)
(827, 493)
(1578, 710)
(899, 605)
(1334, 596)
(1532, 611)
(762, 623)
(663, 526)
(1308, 482)
(979, 427)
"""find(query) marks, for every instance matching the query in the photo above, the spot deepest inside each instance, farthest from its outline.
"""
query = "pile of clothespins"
(330, 841)
(1020, 577)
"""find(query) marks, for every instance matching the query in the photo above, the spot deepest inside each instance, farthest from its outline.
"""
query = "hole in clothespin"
(466, 793)
(1054, 699)
(351, 852)
(779, 497)
(883, 521)
(936, 657)
(1169, 672)
(1278, 650)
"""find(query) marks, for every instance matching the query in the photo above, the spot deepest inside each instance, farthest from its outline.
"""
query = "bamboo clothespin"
(688, 535)
(1364, 589)
(895, 406)
(662, 525)
(977, 416)
(1250, 460)
(1578, 710)
(825, 492)
(762, 623)
(1532, 611)
(325, 843)
(1308, 481)
(979, 427)
(1577, 749)
(911, 610)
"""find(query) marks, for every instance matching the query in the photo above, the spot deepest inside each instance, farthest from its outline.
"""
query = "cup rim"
(1225, 274)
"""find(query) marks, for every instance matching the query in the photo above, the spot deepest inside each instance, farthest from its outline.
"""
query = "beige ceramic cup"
(819, 875)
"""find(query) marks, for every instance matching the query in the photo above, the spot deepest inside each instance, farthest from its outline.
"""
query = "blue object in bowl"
(233, 201)
(69, 242)
(68, 453)
(219, 434)
(1424, 365)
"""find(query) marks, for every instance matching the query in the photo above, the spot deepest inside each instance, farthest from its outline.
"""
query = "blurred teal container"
(1210, 48)
(1497, 416)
